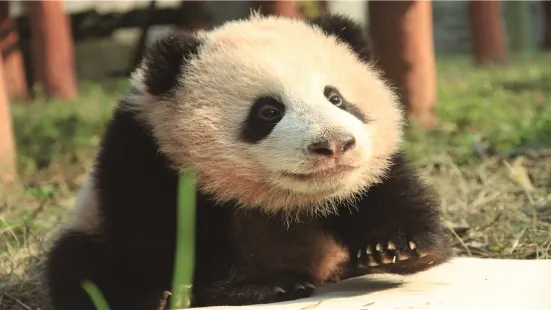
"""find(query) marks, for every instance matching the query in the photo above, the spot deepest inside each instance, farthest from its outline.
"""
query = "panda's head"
(271, 112)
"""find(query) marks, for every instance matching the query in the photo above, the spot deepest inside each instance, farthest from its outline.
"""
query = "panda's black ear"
(347, 30)
(165, 61)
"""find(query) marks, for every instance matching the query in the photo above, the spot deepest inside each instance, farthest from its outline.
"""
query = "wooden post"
(324, 6)
(546, 25)
(403, 41)
(14, 68)
(288, 8)
(7, 144)
(53, 48)
(487, 32)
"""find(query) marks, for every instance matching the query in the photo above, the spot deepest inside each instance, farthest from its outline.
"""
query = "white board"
(463, 283)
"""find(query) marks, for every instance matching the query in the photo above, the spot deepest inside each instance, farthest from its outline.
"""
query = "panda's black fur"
(131, 256)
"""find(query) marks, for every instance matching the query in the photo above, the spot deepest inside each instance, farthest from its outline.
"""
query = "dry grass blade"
(458, 238)
(162, 303)
(17, 301)
(515, 243)
(519, 174)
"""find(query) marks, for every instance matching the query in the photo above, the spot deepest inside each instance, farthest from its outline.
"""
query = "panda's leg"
(78, 257)
(397, 227)
(73, 258)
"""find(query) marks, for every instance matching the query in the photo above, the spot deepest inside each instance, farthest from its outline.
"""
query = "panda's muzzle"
(332, 148)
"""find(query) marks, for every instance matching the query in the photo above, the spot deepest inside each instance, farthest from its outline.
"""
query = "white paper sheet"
(463, 283)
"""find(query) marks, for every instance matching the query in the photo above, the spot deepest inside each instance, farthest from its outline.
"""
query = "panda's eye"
(269, 112)
(333, 95)
(269, 109)
(335, 99)
(264, 115)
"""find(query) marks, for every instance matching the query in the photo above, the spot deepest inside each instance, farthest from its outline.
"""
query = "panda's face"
(309, 139)
(277, 114)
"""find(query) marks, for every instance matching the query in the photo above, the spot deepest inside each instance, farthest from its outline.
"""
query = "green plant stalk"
(185, 242)
(95, 294)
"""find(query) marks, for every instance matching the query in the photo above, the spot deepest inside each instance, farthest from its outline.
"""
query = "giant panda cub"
(294, 138)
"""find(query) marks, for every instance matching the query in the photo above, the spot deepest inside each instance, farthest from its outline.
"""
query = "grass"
(95, 294)
(185, 243)
(489, 158)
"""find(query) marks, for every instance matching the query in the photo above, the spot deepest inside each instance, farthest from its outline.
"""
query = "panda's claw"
(421, 253)
(310, 285)
(283, 287)
(392, 254)
(368, 251)
(371, 262)
(385, 259)
(279, 290)
(400, 255)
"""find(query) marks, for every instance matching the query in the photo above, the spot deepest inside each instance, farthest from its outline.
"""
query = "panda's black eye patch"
(264, 115)
(334, 96)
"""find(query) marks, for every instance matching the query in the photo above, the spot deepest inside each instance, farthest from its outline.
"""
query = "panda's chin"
(326, 175)
(324, 182)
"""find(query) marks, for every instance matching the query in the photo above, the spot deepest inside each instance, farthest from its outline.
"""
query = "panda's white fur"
(85, 215)
(244, 59)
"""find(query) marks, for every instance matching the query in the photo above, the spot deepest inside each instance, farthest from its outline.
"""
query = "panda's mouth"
(329, 173)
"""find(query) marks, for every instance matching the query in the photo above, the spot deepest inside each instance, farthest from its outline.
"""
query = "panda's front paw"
(283, 286)
(401, 253)
(290, 291)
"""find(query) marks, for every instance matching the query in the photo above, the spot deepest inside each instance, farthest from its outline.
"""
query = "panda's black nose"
(332, 147)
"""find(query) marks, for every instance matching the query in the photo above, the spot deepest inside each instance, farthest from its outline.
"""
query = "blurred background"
(475, 77)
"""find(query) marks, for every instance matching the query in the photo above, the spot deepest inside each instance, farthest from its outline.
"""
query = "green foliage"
(96, 295)
(50, 129)
(502, 107)
(185, 244)
(311, 8)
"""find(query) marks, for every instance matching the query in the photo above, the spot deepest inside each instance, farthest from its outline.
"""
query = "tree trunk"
(546, 25)
(402, 33)
(53, 48)
(487, 32)
(7, 144)
(14, 68)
